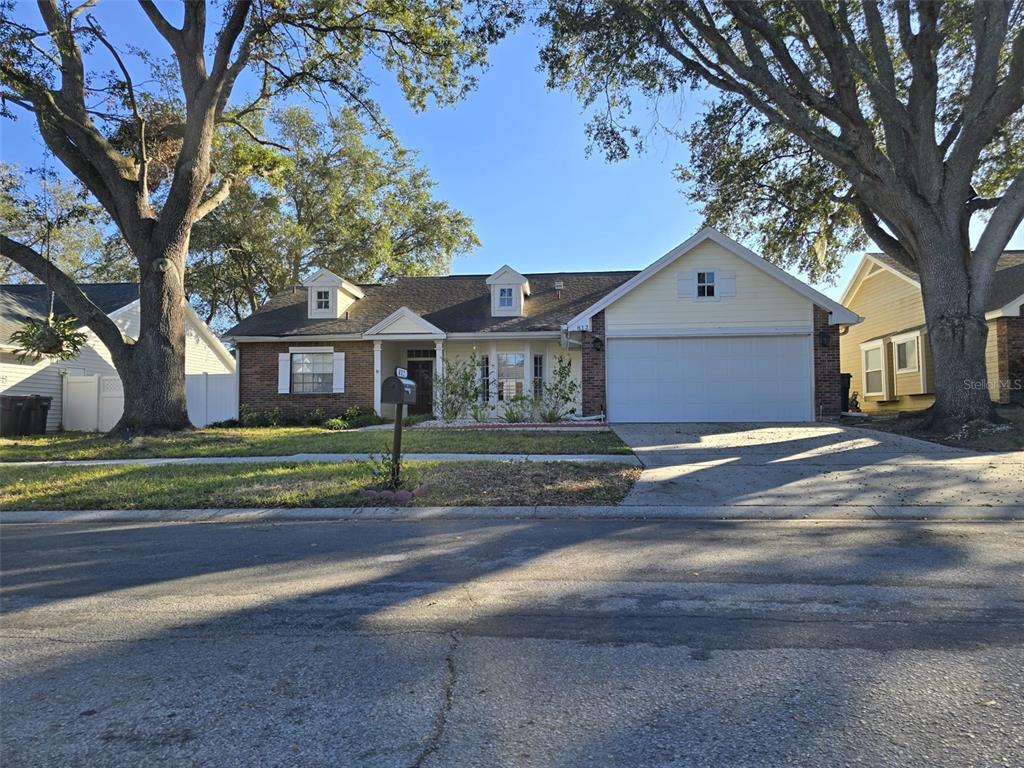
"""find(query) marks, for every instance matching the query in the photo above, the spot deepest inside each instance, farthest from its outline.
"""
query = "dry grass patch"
(210, 486)
(1005, 436)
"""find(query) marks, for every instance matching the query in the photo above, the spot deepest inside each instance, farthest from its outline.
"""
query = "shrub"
(480, 411)
(226, 424)
(516, 410)
(456, 390)
(249, 417)
(417, 418)
(336, 424)
(386, 477)
(360, 416)
(556, 400)
(315, 418)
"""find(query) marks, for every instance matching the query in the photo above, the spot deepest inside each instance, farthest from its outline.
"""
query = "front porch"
(506, 368)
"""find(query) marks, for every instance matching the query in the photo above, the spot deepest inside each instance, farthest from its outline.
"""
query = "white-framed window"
(538, 375)
(312, 372)
(873, 362)
(323, 299)
(706, 285)
(505, 300)
(511, 372)
(906, 351)
(484, 373)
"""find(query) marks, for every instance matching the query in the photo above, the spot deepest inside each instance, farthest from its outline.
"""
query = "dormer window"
(323, 299)
(330, 296)
(509, 290)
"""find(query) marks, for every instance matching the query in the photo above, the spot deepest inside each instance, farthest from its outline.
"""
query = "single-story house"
(99, 396)
(888, 355)
(708, 332)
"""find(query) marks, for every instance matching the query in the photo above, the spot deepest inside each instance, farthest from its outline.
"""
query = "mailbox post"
(399, 391)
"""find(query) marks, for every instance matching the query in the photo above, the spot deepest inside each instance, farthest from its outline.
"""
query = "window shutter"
(284, 373)
(726, 283)
(339, 372)
(686, 283)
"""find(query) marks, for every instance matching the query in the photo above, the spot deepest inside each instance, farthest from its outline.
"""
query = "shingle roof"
(455, 304)
(1008, 285)
(20, 302)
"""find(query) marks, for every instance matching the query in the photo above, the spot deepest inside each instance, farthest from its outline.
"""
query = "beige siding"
(760, 300)
(992, 360)
(890, 305)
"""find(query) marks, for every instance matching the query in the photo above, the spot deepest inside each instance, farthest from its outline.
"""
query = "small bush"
(457, 388)
(226, 424)
(315, 418)
(480, 412)
(517, 409)
(382, 470)
(253, 418)
(336, 424)
(556, 400)
(417, 418)
(360, 416)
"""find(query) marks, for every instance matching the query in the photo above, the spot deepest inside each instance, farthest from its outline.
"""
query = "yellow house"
(889, 355)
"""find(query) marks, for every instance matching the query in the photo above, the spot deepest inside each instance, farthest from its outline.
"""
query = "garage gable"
(711, 282)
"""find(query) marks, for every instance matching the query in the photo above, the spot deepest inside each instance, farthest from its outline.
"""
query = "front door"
(422, 372)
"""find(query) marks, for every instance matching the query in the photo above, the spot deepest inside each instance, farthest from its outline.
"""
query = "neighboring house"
(709, 332)
(888, 354)
(204, 353)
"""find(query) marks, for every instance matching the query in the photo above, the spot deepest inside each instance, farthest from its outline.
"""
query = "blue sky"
(513, 156)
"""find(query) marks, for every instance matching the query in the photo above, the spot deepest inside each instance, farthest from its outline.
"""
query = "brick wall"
(594, 367)
(1011, 358)
(827, 398)
(257, 381)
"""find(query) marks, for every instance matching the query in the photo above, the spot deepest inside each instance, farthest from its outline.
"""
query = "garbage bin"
(35, 414)
(12, 412)
(844, 391)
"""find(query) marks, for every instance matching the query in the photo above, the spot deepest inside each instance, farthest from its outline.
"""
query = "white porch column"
(438, 371)
(377, 379)
(492, 364)
(528, 370)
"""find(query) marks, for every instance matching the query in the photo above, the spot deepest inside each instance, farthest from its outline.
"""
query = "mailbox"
(398, 391)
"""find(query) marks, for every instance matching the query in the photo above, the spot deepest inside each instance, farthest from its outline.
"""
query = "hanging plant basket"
(52, 338)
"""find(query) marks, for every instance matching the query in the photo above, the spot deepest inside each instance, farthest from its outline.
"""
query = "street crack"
(447, 695)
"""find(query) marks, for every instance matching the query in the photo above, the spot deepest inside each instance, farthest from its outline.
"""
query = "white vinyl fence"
(95, 403)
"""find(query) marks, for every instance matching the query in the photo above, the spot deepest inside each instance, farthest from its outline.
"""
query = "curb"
(637, 512)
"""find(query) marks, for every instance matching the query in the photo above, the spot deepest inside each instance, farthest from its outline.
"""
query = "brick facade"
(594, 351)
(827, 397)
(1010, 342)
(257, 379)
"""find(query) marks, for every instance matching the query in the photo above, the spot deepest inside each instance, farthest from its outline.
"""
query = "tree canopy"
(362, 209)
(828, 122)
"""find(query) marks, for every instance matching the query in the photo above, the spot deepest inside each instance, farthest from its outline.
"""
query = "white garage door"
(721, 378)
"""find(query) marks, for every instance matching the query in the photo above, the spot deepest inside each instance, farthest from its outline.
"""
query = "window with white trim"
(323, 299)
(505, 298)
(907, 356)
(538, 375)
(511, 370)
(874, 370)
(484, 373)
(705, 285)
(312, 372)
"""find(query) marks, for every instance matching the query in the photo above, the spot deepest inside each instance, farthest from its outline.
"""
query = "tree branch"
(211, 203)
(84, 309)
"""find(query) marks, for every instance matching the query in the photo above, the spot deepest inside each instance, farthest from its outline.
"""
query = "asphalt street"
(513, 643)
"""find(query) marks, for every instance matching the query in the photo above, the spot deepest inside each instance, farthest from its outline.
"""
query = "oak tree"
(78, 80)
(831, 119)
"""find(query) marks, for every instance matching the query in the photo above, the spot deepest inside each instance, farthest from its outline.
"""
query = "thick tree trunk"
(957, 333)
(152, 370)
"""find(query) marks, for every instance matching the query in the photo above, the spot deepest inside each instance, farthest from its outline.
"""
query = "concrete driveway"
(818, 469)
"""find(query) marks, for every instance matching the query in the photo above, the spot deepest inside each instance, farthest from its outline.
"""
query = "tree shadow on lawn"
(339, 643)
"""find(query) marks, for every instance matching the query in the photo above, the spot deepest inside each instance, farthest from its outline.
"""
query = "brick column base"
(827, 396)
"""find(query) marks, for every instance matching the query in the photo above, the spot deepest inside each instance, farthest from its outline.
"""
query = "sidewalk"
(628, 460)
(937, 513)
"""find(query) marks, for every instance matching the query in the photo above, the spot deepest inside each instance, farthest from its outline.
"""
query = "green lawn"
(180, 486)
(285, 441)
